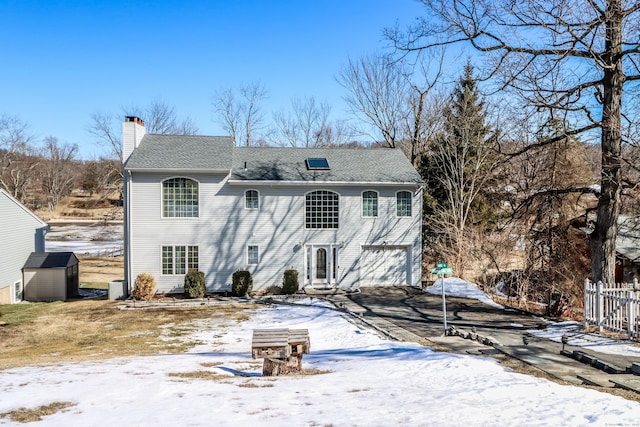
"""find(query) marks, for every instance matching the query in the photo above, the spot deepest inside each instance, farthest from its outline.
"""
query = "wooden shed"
(51, 276)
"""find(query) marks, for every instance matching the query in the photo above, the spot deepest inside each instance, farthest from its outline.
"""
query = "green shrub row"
(195, 285)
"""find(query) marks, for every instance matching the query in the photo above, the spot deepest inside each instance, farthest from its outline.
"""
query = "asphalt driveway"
(410, 309)
(421, 313)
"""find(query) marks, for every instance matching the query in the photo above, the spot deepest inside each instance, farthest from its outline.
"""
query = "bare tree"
(392, 96)
(160, 118)
(105, 130)
(573, 58)
(58, 171)
(377, 95)
(100, 177)
(242, 117)
(336, 134)
(548, 183)
(17, 160)
(305, 125)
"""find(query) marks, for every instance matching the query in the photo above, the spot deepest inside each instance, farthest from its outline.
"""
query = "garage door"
(384, 265)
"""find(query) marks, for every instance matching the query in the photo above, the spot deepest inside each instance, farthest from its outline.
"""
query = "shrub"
(194, 284)
(273, 290)
(242, 283)
(145, 287)
(290, 282)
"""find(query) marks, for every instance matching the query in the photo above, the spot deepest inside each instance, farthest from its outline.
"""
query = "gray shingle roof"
(178, 152)
(50, 260)
(182, 152)
(346, 165)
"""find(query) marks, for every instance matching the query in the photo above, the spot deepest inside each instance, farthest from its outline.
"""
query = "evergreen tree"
(459, 168)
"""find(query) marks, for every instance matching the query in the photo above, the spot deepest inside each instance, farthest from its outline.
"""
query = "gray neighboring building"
(341, 217)
(628, 249)
(51, 276)
(22, 233)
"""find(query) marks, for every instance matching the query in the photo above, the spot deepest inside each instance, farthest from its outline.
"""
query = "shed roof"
(180, 152)
(51, 260)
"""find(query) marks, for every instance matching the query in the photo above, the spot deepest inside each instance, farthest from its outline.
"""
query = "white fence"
(614, 308)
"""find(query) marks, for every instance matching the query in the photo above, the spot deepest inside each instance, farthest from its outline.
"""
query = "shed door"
(384, 265)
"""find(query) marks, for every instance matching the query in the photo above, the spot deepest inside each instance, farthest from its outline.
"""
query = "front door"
(322, 264)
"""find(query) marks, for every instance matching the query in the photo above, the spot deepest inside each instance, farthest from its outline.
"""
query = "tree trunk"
(603, 238)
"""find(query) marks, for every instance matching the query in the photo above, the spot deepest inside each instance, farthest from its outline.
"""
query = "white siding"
(17, 241)
(225, 229)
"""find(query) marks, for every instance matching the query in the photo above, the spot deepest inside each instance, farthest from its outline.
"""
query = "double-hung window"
(403, 203)
(369, 203)
(179, 198)
(179, 259)
(251, 199)
(253, 254)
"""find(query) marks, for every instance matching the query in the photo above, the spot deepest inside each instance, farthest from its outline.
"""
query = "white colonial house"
(342, 218)
(22, 233)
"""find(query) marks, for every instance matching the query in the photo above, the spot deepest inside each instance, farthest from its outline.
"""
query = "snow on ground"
(576, 337)
(369, 381)
(456, 287)
(85, 239)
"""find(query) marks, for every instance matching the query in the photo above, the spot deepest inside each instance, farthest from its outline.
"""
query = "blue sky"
(64, 60)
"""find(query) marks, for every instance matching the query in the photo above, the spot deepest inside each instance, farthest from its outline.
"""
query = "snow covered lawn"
(363, 380)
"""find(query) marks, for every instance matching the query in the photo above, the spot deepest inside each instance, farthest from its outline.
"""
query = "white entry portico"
(321, 264)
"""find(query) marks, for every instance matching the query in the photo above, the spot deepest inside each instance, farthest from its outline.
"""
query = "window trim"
(377, 193)
(257, 255)
(188, 258)
(306, 227)
(410, 204)
(162, 206)
(245, 199)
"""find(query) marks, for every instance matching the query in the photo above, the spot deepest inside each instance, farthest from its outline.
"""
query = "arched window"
(403, 203)
(251, 199)
(322, 209)
(369, 203)
(180, 198)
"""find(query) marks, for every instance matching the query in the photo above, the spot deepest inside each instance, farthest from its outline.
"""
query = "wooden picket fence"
(614, 308)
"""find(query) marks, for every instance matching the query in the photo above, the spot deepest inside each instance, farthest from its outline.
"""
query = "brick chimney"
(132, 132)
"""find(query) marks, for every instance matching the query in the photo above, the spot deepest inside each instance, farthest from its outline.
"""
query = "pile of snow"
(368, 381)
(460, 288)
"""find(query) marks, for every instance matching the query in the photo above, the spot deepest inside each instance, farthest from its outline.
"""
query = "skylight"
(317, 163)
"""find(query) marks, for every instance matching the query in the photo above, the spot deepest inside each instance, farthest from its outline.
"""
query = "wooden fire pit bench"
(281, 349)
